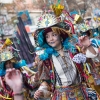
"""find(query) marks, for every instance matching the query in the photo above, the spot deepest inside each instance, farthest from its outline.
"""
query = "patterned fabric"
(65, 69)
(79, 58)
(43, 72)
(58, 78)
(96, 75)
(50, 66)
(91, 94)
(77, 92)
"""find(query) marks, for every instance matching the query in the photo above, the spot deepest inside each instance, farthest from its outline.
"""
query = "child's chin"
(53, 46)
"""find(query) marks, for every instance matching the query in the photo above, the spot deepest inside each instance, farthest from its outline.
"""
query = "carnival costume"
(93, 68)
(67, 79)
(6, 54)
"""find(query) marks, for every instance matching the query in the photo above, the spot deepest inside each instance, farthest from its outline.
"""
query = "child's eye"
(54, 34)
(47, 36)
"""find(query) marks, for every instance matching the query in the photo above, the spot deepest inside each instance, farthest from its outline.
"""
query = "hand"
(84, 41)
(38, 94)
(14, 79)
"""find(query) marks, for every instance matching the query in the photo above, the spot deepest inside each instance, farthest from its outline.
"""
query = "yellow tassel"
(64, 96)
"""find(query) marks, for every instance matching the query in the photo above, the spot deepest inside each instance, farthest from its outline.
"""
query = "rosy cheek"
(57, 38)
(47, 41)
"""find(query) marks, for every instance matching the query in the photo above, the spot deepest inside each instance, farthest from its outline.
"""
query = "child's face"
(8, 64)
(53, 39)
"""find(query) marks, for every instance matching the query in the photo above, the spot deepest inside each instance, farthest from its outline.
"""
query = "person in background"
(9, 61)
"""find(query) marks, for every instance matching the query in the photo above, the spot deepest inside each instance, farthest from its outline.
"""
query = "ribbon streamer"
(67, 13)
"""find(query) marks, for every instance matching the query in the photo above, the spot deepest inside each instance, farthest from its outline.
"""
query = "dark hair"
(6, 63)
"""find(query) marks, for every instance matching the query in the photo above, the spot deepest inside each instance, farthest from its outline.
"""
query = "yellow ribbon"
(5, 97)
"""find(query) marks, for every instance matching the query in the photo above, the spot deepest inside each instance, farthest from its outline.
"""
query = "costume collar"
(50, 51)
(57, 54)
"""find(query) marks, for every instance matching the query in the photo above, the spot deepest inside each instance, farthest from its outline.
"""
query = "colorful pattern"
(79, 58)
(46, 20)
(49, 65)
(96, 74)
(6, 55)
(91, 94)
(70, 93)
(83, 27)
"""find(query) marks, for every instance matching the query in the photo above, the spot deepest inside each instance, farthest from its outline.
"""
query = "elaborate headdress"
(85, 29)
(6, 54)
(48, 22)
(5, 51)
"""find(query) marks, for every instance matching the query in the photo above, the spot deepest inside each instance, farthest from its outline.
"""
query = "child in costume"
(94, 68)
(92, 59)
(8, 61)
(59, 75)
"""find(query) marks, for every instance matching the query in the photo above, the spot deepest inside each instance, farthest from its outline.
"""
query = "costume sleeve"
(44, 76)
(43, 71)
(91, 55)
